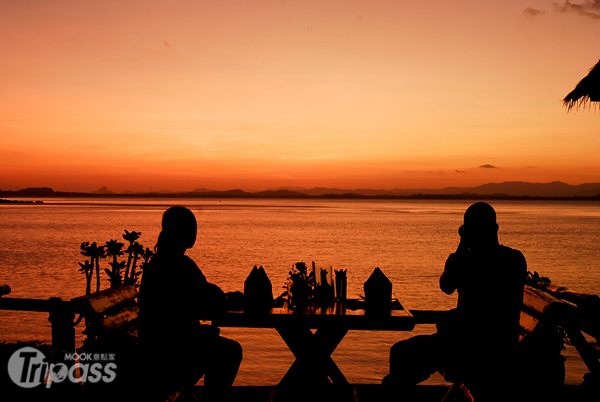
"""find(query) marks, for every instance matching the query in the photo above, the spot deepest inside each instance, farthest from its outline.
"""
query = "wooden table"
(313, 364)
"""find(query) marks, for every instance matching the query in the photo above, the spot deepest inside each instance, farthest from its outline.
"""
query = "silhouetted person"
(476, 342)
(174, 296)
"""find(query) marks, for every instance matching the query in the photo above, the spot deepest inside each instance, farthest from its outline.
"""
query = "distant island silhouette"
(505, 190)
(3, 201)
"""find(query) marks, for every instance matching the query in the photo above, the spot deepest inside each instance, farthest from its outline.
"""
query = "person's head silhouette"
(480, 228)
(179, 230)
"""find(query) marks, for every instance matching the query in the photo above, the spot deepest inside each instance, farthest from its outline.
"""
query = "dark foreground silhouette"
(174, 296)
(476, 343)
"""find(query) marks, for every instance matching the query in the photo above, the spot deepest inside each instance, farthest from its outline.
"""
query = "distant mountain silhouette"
(37, 191)
(281, 194)
(509, 188)
(318, 191)
(555, 189)
(519, 189)
(103, 190)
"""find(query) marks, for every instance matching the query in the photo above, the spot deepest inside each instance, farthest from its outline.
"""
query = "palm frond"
(586, 92)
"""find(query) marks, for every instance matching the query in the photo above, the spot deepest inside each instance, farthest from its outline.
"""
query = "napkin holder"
(378, 293)
(341, 284)
(258, 291)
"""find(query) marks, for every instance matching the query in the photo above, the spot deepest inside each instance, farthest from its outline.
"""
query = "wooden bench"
(111, 320)
(585, 320)
(539, 367)
(544, 321)
(110, 316)
(111, 329)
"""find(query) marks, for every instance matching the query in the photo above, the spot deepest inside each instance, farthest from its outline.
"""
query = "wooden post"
(588, 354)
(63, 332)
(4, 290)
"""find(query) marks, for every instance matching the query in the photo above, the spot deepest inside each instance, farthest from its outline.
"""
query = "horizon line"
(526, 190)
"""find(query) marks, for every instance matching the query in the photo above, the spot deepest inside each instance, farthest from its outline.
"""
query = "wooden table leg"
(313, 355)
(329, 339)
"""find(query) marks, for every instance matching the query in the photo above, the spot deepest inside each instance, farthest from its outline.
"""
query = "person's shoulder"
(512, 253)
(510, 250)
(188, 261)
(155, 260)
(192, 268)
(457, 257)
(457, 254)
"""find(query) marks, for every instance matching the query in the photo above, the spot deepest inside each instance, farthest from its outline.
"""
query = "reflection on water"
(408, 240)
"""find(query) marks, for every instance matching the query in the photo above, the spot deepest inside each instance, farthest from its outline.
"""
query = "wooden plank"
(538, 300)
(528, 323)
(588, 307)
(132, 330)
(539, 306)
(586, 351)
(120, 319)
(101, 301)
(9, 303)
(397, 320)
(564, 293)
(429, 316)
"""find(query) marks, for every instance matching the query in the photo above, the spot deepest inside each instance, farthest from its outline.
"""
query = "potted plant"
(300, 286)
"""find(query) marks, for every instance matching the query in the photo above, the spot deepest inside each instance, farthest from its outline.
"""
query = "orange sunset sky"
(181, 94)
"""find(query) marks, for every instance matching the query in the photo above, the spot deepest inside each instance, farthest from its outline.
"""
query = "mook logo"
(28, 368)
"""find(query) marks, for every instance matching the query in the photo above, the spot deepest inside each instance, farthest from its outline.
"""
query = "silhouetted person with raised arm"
(174, 296)
(476, 342)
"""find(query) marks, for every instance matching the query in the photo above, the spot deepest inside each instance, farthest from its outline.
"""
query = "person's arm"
(449, 280)
(214, 300)
(196, 292)
(517, 282)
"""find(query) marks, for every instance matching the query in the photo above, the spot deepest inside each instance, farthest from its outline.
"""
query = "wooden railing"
(62, 316)
(586, 319)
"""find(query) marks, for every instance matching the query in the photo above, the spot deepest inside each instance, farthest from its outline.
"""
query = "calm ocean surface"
(408, 240)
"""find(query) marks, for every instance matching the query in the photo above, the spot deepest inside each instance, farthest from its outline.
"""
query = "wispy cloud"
(533, 12)
(460, 171)
(589, 8)
(488, 166)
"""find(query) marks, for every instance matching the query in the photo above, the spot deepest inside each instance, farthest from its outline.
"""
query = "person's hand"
(463, 244)
(233, 295)
(234, 301)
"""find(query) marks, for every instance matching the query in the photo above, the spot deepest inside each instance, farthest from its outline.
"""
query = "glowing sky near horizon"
(184, 94)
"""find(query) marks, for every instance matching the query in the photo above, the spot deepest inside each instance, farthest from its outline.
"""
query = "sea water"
(408, 240)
